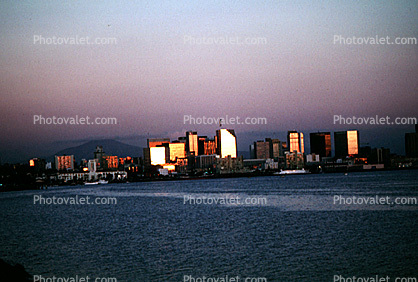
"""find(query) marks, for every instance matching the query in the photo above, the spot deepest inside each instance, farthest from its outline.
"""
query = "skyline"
(151, 78)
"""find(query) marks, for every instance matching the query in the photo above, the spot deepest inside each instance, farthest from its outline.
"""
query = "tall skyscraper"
(347, 143)
(321, 144)
(411, 144)
(262, 149)
(192, 145)
(177, 151)
(226, 143)
(157, 155)
(295, 141)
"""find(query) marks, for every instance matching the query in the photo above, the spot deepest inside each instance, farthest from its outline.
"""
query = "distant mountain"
(110, 147)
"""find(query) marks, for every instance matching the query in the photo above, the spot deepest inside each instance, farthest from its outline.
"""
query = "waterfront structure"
(321, 144)
(226, 143)
(347, 143)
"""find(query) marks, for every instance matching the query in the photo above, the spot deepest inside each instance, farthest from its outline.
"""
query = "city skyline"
(154, 75)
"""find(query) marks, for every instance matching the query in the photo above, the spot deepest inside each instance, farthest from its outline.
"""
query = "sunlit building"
(321, 144)
(347, 143)
(226, 143)
(209, 147)
(177, 150)
(64, 162)
(295, 142)
(157, 155)
(192, 143)
(154, 142)
(110, 162)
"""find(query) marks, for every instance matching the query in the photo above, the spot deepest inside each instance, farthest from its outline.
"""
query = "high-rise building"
(262, 149)
(110, 162)
(192, 146)
(64, 162)
(226, 143)
(347, 143)
(295, 141)
(411, 144)
(157, 155)
(275, 148)
(321, 144)
(177, 150)
(209, 147)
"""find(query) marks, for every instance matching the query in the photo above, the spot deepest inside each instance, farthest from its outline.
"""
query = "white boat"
(294, 171)
(91, 183)
(101, 181)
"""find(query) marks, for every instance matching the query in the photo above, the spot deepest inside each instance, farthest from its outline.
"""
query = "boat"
(92, 183)
(293, 171)
(101, 181)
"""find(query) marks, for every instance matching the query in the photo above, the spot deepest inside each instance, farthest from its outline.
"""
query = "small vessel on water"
(101, 181)
(293, 171)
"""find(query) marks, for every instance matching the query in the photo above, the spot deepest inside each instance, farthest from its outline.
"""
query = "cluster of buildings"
(202, 155)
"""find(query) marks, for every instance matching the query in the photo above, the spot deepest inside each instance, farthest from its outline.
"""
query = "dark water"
(150, 235)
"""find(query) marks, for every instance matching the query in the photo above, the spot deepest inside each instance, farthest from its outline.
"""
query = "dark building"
(411, 144)
(321, 144)
(347, 143)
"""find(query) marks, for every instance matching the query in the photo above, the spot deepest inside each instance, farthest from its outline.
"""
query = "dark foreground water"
(151, 235)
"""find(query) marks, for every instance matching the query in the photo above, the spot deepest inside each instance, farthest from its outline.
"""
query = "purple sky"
(151, 78)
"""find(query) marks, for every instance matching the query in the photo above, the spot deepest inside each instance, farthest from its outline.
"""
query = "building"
(347, 143)
(226, 143)
(154, 142)
(192, 146)
(110, 162)
(295, 141)
(411, 144)
(262, 149)
(64, 162)
(321, 144)
(157, 155)
(294, 160)
(177, 150)
(209, 147)
(268, 149)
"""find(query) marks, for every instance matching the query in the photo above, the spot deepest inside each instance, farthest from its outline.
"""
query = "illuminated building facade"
(192, 146)
(177, 150)
(64, 162)
(110, 162)
(209, 147)
(295, 141)
(226, 143)
(347, 143)
(321, 144)
(154, 142)
(157, 155)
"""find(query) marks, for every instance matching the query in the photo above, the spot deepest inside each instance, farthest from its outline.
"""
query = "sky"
(297, 78)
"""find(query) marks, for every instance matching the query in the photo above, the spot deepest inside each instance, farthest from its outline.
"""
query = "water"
(151, 235)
